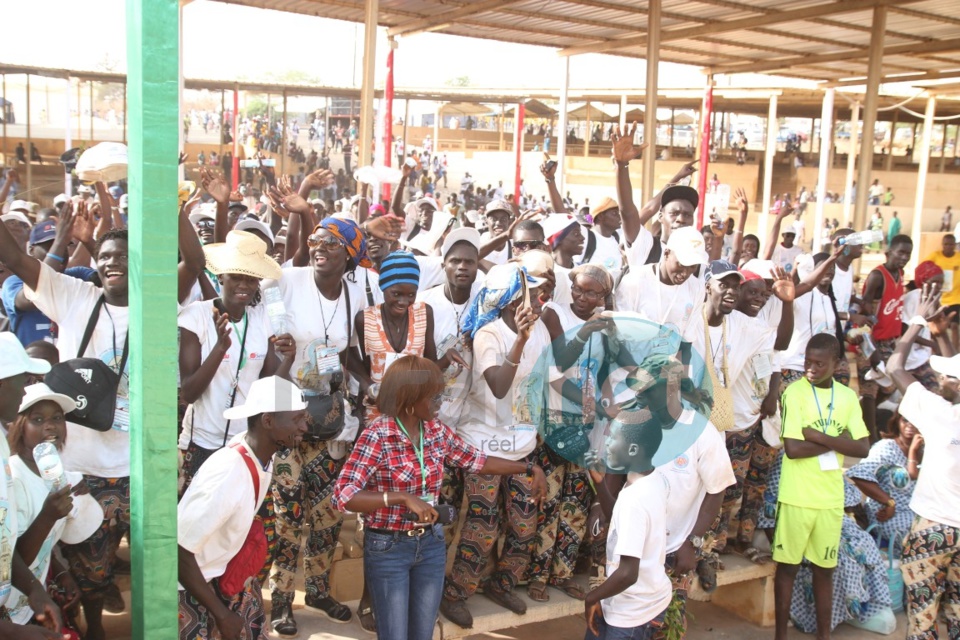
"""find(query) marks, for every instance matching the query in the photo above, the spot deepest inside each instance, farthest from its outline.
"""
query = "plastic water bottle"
(275, 310)
(861, 238)
(49, 465)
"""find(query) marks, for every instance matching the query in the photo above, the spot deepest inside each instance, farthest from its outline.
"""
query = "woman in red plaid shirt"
(396, 469)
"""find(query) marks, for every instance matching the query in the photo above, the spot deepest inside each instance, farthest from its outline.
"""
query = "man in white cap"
(496, 245)
(220, 505)
(668, 293)
(15, 367)
(17, 222)
(603, 240)
(932, 548)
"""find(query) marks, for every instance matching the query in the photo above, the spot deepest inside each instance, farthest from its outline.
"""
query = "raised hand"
(549, 168)
(214, 183)
(740, 196)
(387, 228)
(84, 225)
(222, 320)
(783, 286)
(623, 148)
(687, 170)
(320, 179)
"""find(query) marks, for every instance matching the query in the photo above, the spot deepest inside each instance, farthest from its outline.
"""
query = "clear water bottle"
(861, 238)
(49, 465)
(276, 311)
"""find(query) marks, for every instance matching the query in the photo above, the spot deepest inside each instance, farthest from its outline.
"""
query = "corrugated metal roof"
(763, 32)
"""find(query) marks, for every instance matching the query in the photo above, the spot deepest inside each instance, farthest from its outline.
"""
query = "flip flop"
(756, 556)
(572, 589)
(537, 591)
(367, 621)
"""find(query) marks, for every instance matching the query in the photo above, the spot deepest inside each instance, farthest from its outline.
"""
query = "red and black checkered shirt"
(384, 459)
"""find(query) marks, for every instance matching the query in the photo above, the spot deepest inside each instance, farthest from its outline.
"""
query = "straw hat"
(242, 253)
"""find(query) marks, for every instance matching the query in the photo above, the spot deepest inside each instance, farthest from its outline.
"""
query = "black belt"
(410, 533)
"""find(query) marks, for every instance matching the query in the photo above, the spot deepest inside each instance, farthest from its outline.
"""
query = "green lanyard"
(243, 348)
(829, 408)
(419, 452)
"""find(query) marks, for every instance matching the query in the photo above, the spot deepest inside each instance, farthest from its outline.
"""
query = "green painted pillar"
(153, 108)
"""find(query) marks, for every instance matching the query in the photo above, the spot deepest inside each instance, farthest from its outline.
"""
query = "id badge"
(761, 366)
(121, 417)
(328, 360)
(828, 461)
(450, 342)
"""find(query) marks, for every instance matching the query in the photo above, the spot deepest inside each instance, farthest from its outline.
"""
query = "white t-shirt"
(937, 494)
(217, 509)
(678, 306)
(9, 530)
(497, 256)
(638, 252)
(785, 257)
(203, 420)
(812, 315)
(606, 254)
(311, 318)
(367, 279)
(703, 467)
(750, 365)
(447, 319)
(919, 355)
(30, 491)
(562, 294)
(69, 302)
(504, 427)
(637, 531)
(843, 288)
(431, 273)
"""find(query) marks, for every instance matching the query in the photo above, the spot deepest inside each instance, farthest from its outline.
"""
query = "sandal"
(537, 591)
(756, 556)
(367, 621)
(598, 575)
(572, 589)
(707, 572)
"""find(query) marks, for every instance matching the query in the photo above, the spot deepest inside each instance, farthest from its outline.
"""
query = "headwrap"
(595, 271)
(924, 271)
(504, 284)
(399, 267)
(351, 237)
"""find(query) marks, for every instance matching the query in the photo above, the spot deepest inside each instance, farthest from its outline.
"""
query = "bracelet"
(386, 503)
(56, 257)
(59, 575)
(530, 468)
(913, 460)
(579, 339)
(509, 362)
(735, 231)
(917, 320)
(548, 180)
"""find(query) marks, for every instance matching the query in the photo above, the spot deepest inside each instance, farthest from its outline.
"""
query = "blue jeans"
(405, 578)
(643, 632)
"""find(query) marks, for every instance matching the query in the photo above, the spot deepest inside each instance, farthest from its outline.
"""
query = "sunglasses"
(330, 243)
(528, 245)
(206, 224)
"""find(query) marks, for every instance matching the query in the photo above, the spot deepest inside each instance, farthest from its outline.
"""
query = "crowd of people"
(611, 391)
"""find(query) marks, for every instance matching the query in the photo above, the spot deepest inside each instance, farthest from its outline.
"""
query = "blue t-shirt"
(30, 326)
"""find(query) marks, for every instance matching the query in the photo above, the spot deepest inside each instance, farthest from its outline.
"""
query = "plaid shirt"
(383, 459)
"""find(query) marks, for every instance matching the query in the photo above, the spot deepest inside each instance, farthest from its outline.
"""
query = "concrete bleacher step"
(487, 617)
(743, 588)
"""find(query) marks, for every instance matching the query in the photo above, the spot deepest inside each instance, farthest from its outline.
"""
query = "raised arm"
(214, 183)
(397, 204)
(623, 152)
(810, 283)
(17, 261)
(192, 258)
(549, 171)
(784, 211)
(743, 205)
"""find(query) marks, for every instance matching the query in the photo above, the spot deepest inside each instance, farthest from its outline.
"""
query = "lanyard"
(830, 408)
(243, 343)
(419, 452)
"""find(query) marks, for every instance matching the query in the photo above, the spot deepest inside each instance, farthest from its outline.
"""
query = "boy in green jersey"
(822, 422)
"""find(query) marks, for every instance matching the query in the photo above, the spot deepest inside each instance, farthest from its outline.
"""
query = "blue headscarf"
(504, 284)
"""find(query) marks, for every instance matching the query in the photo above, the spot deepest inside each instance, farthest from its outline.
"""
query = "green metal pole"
(152, 72)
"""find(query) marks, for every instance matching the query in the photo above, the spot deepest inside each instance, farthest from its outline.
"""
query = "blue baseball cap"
(42, 232)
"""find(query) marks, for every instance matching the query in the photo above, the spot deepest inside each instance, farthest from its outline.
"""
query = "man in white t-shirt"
(602, 244)
(15, 367)
(668, 293)
(495, 246)
(103, 457)
(632, 602)
(931, 551)
(217, 510)
(508, 339)
(786, 252)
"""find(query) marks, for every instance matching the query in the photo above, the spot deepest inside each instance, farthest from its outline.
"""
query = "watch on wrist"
(696, 541)
(530, 466)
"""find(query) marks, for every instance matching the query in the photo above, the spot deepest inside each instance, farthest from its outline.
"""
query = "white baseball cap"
(763, 268)
(946, 366)
(272, 394)
(14, 359)
(687, 244)
(16, 216)
(60, 199)
(462, 234)
(250, 224)
(22, 205)
(39, 392)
